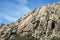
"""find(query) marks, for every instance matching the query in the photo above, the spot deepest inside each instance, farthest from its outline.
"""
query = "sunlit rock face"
(42, 23)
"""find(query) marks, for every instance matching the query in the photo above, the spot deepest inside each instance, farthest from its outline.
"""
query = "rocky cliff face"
(42, 23)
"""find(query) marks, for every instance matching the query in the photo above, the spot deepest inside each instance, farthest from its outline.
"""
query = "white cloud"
(23, 1)
(22, 10)
(12, 12)
(9, 18)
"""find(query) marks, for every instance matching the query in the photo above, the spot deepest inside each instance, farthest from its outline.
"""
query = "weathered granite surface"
(43, 23)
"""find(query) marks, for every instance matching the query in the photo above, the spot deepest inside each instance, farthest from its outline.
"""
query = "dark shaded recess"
(21, 31)
(47, 24)
(33, 11)
(18, 21)
(59, 17)
(27, 31)
(41, 25)
(7, 24)
(8, 37)
(2, 33)
(56, 11)
(37, 24)
(40, 34)
(44, 33)
(12, 33)
(52, 11)
(52, 25)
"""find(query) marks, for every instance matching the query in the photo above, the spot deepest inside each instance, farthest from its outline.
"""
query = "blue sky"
(11, 10)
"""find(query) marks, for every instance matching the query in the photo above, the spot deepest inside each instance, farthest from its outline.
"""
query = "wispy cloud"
(23, 1)
(7, 17)
(13, 9)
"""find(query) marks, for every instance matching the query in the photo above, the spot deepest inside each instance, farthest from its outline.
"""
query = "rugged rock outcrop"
(42, 23)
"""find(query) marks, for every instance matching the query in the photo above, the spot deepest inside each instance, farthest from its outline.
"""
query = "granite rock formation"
(42, 23)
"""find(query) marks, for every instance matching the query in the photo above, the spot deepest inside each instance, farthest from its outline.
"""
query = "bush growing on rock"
(26, 37)
(55, 38)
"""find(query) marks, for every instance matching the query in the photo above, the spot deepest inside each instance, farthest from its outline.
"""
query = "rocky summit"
(43, 23)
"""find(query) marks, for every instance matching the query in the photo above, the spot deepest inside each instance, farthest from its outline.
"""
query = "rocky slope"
(42, 23)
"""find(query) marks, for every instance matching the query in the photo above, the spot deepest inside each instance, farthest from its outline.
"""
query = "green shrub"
(26, 37)
(55, 38)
